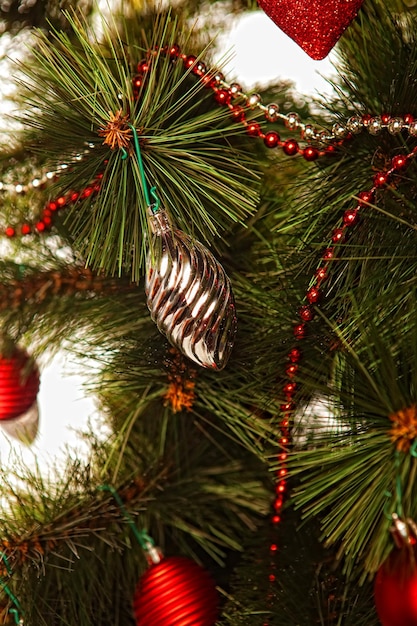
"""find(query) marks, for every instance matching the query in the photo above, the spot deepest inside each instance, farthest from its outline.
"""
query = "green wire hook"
(5, 587)
(156, 203)
(142, 537)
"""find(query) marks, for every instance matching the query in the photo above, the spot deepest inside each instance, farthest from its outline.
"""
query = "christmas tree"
(237, 271)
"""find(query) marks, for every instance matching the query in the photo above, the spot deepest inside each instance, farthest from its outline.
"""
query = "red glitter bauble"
(176, 592)
(315, 25)
(19, 384)
(396, 588)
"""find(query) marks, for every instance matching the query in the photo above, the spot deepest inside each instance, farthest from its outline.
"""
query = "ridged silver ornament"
(189, 295)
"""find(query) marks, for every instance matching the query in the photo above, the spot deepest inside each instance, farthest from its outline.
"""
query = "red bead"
(271, 139)
(399, 162)
(328, 254)
(385, 118)
(306, 313)
(321, 273)
(337, 235)
(313, 295)
(350, 217)
(40, 226)
(26, 229)
(366, 118)
(208, 80)
(74, 196)
(289, 389)
(273, 547)
(87, 192)
(299, 331)
(253, 129)
(174, 50)
(365, 197)
(19, 384)
(276, 519)
(408, 118)
(52, 206)
(278, 502)
(381, 179)
(291, 369)
(61, 201)
(176, 591)
(137, 83)
(238, 113)
(294, 355)
(310, 153)
(10, 231)
(46, 220)
(189, 61)
(290, 147)
(143, 66)
(222, 96)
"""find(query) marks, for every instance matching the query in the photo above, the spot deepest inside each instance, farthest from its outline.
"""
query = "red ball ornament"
(19, 384)
(315, 25)
(176, 592)
(396, 587)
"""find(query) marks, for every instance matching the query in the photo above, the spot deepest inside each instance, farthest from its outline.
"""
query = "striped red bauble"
(19, 383)
(176, 592)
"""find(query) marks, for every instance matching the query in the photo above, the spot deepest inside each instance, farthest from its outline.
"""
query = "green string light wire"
(17, 608)
(156, 203)
(144, 540)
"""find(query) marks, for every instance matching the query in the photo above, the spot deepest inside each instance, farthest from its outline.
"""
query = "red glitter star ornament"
(315, 25)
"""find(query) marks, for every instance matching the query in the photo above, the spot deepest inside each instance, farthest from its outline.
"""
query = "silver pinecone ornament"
(189, 295)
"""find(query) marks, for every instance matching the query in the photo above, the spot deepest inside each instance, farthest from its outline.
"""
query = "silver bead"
(354, 124)
(292, 121)
(235, 89)
(200, 68)
(271, 113)
(254, 99)
(339, 131)
(375, 125)
(413, 129)
(309, 132)
(395, 125)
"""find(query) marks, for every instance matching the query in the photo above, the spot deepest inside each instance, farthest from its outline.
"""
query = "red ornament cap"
(19, 384)
(176, 592)
(315, 25)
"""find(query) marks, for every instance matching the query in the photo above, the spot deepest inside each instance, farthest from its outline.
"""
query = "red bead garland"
(51, 208)
(306, 313)
(226, 95)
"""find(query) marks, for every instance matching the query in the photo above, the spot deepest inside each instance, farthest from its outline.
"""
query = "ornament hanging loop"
(152, 553)
(148, 193)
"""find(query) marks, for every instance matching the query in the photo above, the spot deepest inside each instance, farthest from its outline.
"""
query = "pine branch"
(371, 387)
(191, 150)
